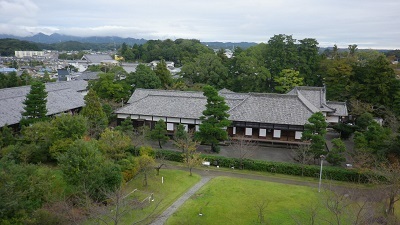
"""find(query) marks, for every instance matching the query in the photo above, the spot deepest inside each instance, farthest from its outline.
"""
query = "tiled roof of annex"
(314, 95)
(62, 96)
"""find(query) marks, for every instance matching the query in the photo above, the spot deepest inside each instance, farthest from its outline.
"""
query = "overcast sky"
(367, 23)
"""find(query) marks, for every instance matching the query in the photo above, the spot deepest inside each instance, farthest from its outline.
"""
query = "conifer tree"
(35, 105)
(214, 119)
(163, 73)
(93, 111)
(159, 133)
(314, 132)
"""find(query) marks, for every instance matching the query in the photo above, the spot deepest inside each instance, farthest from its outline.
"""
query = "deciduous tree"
(144, 77)
(287, 80)
(85, 168)
(206, 69)
(114, 144)
(146, 164)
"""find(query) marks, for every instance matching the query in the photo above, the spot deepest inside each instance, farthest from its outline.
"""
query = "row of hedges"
(332, 173)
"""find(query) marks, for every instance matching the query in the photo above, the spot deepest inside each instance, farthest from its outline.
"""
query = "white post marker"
(320, 173)
(162, 180)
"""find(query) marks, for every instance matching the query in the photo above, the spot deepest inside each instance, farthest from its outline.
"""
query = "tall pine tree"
(35, 105)
(214, 119)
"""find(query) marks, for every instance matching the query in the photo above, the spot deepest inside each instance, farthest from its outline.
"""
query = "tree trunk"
(158, 168)
(145, 179)
(159, 143)
(390, 209)
(158, 171)
(190, 170)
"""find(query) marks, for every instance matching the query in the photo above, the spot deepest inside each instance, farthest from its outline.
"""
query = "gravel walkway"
(170, 210)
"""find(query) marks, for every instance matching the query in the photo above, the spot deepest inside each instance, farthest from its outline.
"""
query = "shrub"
(332, 173)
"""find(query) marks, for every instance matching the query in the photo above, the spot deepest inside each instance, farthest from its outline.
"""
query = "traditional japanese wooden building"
(259, 116)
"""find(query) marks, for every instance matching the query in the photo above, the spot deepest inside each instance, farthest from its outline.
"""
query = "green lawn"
(176, 183)
(234, 201)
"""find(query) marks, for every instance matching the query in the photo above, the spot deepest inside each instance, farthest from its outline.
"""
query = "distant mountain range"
(58, 38)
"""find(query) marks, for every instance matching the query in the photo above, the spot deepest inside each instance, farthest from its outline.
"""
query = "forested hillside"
(8, 46)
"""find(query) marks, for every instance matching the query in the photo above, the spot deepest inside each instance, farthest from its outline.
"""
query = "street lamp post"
(320, 173)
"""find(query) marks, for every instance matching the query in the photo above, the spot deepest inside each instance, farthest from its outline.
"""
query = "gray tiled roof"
(272, 108)
(164, 105)
(76, 85)
(89, 76)
(293, 108)
(142, 93)
(79, 85)
(265, 108)
(96, 58)
(315, 95)
(340, 107)
(61, 72)
(57, 101)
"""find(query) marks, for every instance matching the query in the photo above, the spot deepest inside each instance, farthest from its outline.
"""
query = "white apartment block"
(22, 54)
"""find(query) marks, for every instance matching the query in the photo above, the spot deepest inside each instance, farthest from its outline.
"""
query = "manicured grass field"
(231, 201)
(176, 183)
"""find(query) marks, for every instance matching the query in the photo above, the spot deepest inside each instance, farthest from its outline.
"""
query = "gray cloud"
(368, 23)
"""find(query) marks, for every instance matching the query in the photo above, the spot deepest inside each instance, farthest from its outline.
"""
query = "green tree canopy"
(206, 69)
(70, 126)
(85, 168)
(308, 62)
(114, 144)
(281, 53)
(249, 74)
(336, 154)
(337, 74)
(287, 80)
(108, 87)
(144, 77)
(163, 73)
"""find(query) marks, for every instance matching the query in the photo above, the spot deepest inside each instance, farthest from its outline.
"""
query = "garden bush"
(329, 172)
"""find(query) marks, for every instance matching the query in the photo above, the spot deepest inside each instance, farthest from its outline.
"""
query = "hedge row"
(332, 173)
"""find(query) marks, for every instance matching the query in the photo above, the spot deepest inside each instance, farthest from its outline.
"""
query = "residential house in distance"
(87, 76)
(170, 66)
(129, 67)
(258, 116)
(7, 70)
(63, 97)
(97, 59)
(63, 75)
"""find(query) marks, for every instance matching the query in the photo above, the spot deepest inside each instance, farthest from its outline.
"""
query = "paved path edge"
(170, 210)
